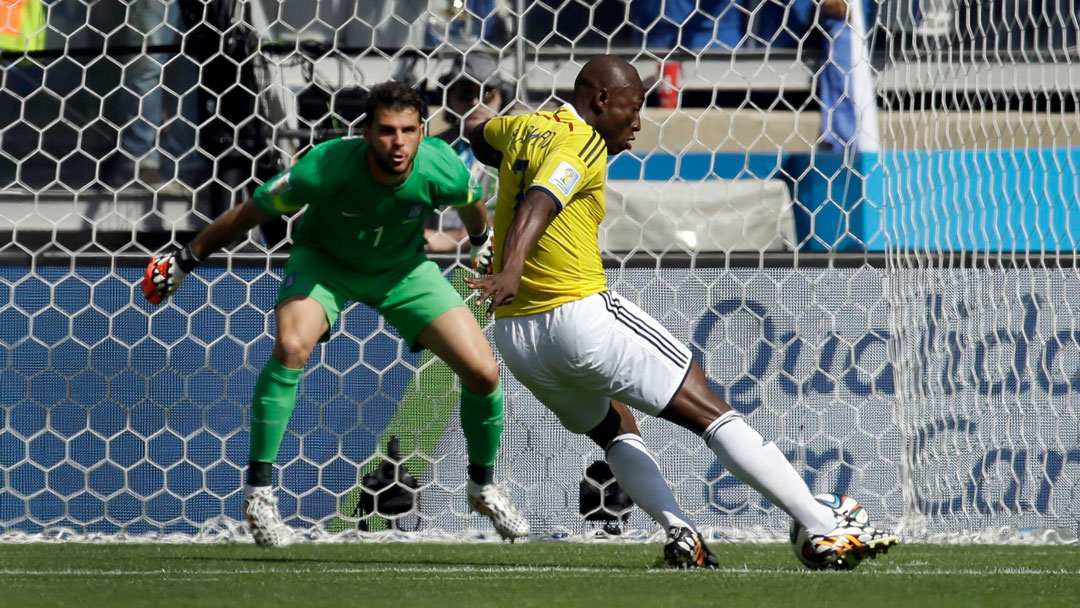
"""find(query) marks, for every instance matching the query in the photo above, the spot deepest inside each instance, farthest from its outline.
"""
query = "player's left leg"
(638, 473)
(743, 451)
(429, 313)
(668, 383)
(456, 338)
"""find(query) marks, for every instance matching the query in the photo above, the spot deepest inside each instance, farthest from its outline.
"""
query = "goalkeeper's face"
(393, 136)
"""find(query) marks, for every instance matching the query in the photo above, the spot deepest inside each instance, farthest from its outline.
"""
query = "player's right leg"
(305, 312)
(649, 370)
(300, 322)
(761, 465)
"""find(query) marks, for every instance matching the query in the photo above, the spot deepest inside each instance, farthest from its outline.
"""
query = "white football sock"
(639, 476)
(762, 466)
(250, 490)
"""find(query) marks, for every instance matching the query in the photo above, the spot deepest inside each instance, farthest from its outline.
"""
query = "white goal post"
(863, 223)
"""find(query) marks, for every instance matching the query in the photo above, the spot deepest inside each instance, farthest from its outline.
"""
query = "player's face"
(621, 118)
(473, 104)
(393, 136)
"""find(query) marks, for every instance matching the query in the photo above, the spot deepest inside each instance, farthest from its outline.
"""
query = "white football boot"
(490, 501)
(851, 542)
(261, 510)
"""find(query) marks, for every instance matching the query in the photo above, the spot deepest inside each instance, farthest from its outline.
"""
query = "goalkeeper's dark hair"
(393, 95)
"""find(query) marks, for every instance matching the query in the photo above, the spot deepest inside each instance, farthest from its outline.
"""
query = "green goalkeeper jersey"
(351, 217)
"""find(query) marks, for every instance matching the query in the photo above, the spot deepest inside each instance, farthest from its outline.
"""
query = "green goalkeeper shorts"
(409, 296)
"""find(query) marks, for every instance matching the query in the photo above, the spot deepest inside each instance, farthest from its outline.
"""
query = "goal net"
(861, 216)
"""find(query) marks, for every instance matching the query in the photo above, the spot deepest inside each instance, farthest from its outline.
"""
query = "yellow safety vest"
(22, 25)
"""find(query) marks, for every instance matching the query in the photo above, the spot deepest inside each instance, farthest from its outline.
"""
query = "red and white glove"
(165, 272)
(481, 251)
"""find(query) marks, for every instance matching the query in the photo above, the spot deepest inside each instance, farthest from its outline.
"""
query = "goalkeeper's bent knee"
(271, 408)
(482, 423)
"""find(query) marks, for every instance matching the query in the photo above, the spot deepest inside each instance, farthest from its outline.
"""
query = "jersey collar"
(573, 111)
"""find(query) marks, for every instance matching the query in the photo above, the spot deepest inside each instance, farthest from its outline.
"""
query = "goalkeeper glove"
(164, 273)
(481, 251)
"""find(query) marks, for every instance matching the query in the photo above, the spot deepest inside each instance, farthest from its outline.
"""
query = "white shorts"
(576, 357)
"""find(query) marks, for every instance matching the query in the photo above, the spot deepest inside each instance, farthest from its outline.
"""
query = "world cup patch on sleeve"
(277, 190)
(565, 178)
(280, 185)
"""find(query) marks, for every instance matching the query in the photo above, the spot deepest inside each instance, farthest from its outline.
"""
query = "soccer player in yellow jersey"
(584, 351)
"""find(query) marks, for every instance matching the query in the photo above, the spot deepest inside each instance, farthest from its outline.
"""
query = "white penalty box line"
(531, 570)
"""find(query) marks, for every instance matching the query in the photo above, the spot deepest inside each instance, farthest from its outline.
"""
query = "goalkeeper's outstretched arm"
(165, 272)
(228, 227)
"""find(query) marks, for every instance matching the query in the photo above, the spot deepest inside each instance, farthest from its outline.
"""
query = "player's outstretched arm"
(166, 271)
(531, 219)
(228, 227)
(482, 150)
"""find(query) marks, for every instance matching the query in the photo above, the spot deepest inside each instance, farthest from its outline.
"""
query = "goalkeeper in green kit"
(361, 238)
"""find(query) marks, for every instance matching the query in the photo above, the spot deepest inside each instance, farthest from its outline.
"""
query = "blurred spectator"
(152, 22)
(22, 29)
(844, 83)
(570, 23)
(22, 25)
(935, 17)
(475, 92)
(695, 25)
(845, 80)
(485, 20)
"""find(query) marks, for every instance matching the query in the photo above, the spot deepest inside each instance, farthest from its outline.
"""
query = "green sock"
(271, 407)
(482, 422)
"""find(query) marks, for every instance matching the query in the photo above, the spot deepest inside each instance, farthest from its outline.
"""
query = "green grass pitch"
(525, 574)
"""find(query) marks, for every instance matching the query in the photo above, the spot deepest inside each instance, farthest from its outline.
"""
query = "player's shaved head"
(607, 72)
(608, 95)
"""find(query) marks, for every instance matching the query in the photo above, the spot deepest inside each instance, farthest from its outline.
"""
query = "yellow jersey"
(561, 154)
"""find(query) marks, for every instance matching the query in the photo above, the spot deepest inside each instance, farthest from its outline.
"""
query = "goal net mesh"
(861, 219)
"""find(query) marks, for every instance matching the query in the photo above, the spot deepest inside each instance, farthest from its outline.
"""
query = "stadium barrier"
(135, 421)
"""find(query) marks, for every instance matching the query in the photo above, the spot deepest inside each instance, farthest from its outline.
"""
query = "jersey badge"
(565, 178)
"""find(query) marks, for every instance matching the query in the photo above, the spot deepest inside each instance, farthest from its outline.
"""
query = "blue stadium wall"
(954, 200)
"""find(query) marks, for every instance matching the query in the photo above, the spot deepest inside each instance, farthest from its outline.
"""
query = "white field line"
(528, 570)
